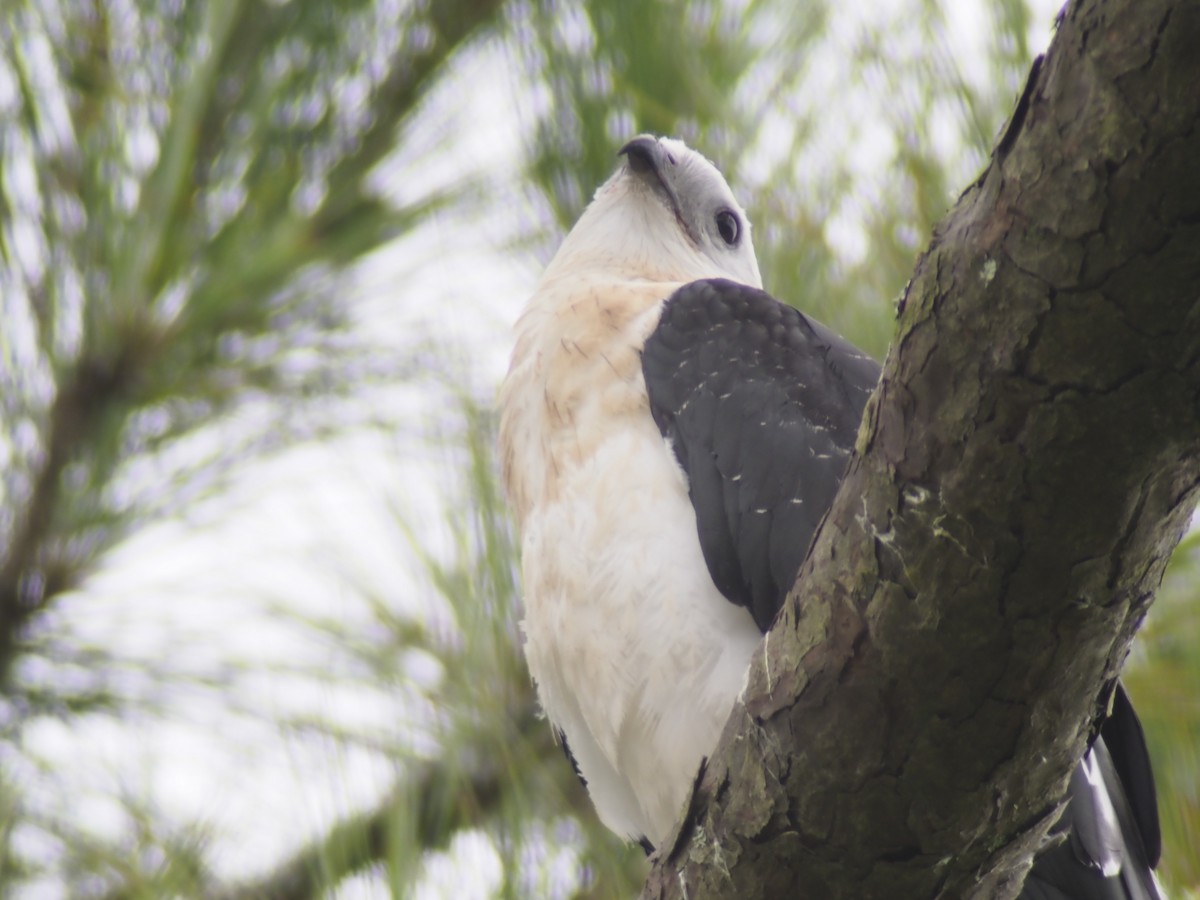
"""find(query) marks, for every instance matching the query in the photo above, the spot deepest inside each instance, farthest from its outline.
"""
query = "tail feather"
(1109, 832)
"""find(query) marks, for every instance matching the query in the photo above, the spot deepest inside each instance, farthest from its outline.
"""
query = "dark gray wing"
(761, 406)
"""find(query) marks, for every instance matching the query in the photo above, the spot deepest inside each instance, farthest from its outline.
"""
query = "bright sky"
(314, 529)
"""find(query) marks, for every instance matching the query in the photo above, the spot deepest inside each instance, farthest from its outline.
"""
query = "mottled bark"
(1024, 470)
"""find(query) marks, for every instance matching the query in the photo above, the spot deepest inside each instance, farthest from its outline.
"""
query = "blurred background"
(259, 260)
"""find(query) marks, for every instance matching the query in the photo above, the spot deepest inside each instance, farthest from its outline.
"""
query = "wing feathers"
(761, 406)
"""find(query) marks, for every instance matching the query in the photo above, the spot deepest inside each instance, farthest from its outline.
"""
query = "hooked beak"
(652, 163)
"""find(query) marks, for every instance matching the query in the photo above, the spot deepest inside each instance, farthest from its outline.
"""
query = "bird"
(670, 438)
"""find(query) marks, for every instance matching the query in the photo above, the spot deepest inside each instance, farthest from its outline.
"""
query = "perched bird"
(670, 437)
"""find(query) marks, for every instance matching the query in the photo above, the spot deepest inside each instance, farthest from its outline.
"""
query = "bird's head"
(667, 215)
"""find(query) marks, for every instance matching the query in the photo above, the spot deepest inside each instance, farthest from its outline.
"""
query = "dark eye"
(728, 225)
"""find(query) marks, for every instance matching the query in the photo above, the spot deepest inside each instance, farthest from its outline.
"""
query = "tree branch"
(1025, 468)
(31, 573)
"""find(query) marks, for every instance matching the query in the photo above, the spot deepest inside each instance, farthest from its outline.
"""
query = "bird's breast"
(637, 656)
(575, 374)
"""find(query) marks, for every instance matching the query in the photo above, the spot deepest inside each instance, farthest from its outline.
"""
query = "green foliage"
(1163, 676)
(182, 187)
(202, 180)
(186, 183)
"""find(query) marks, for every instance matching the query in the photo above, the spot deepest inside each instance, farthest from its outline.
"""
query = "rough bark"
(1025, 468)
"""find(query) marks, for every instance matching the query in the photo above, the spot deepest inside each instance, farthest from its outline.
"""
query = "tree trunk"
(1025, 468)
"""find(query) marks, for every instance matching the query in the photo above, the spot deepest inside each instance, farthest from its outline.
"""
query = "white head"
(666, 214)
